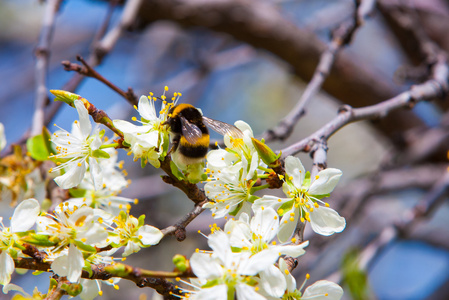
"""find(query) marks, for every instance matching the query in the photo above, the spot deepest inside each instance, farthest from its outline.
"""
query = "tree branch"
(261, 25)
(434, 88)
(42, 57)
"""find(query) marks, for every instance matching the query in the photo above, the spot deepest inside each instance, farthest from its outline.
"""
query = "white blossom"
(24, 217)
(304, 199)
(133, 234)
(150, 140)
(80, 150)
(224, 272)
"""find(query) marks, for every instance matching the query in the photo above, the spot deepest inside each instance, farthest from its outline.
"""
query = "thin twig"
(101, 49)
(88, 71)
(404, 225)
(341, 37)
(179, 229)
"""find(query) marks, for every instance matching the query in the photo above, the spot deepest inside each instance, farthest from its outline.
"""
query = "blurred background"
(251, 61)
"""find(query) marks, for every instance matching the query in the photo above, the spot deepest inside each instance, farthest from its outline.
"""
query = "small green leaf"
(285, 207)
(175, 171)
(77, 192)
(85, 247)
(141, 220)
(38, 147)
(39, 240)
(355, 278)
(100, 154)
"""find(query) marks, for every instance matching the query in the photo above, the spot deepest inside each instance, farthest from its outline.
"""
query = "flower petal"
(95, 173)
(272, 281)
(2, 137)
(246, 292)
(73, 175)
(149, 235)
(218, 292)
(84, 122)
(325, 182)
(295, 169)
(323, 290)
(205, 266)
(326, 221)
(25, 215)
(265, 223)
(293, 250)
(69, 265)
(258, 262)
(146, 110)
(6, 267)
(287, 226)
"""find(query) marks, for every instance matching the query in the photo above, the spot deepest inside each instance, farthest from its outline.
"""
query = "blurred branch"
(404, 225)
(406, 26)
(42, 56)
(262, 25)
(350, 200)
(436, 87)
(88, 71)
(57, 291)
(100, 50)
(341, 37)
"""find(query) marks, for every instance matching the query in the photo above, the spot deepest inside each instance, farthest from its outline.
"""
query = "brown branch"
(100, 50)
(404, 225)
(42, 57)
(263, 26)
(191, 190)
(139, 276)
(88, 71)
(57, 291)
(342, 36)
(434, 88)
(179, 229)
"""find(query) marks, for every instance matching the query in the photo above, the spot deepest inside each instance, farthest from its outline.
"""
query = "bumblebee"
(190, 136)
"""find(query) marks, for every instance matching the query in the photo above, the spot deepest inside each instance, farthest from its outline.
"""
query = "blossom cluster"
(248, 256)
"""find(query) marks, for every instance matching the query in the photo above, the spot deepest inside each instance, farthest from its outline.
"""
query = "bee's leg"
(175, 144)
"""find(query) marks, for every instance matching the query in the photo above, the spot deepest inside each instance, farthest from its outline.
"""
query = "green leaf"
(85, 247)
(100, 154)
(141, 220)
(354, 278)
(175, 171)
(77, 192)
(38, 147)
(39, 240)
(285, 207)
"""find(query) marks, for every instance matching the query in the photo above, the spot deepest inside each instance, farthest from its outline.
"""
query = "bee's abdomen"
(197, 150)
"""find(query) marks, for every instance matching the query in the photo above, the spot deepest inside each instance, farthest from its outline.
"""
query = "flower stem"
(113, 145)
(258, 188)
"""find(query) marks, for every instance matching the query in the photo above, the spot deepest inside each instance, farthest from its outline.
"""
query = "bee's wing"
(190, 131)
(223, 128)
